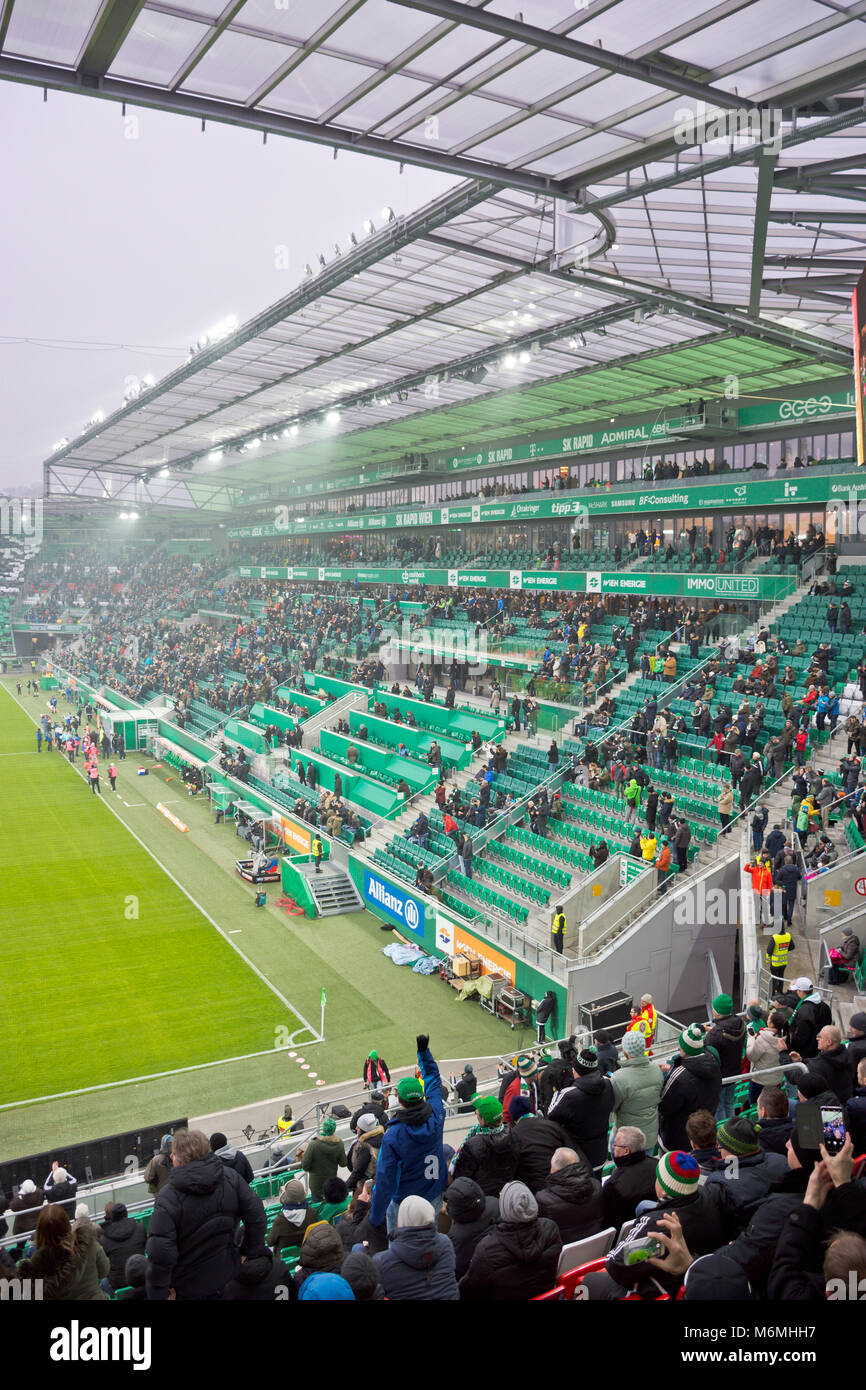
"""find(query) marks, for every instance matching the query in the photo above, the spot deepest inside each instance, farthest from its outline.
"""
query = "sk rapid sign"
(386, 897)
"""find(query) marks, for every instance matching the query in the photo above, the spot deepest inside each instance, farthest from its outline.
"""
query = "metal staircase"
(333, 890)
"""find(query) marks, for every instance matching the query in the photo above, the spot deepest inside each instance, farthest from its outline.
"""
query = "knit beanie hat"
(410, 1090)
(373, 1056)
(465, 1200)
(526, 1065)
(329, 1125)
(516, 1203)
(692, 1040)
(488, 1109)
(415, 1211)
(723, 1005)
(362, 1276)
(586, 1061)
(292, 1194)
(738, 1136)
(520, 1106)
(634, 1044)
(678, 1174)
(367, 1122)
(857, 1021)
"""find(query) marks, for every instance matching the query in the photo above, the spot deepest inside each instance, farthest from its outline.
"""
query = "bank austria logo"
(516, 580)
(394, 901)
(593, 581)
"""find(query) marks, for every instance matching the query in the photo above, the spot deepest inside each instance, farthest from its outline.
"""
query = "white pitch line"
(137, 1080)
(255, 969)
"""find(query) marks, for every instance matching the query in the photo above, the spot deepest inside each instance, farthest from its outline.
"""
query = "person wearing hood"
(467, 1085)
(753, 1174)
(584, 1107)
(322, 1156)
(411, 1158)
(726, 1035)
(538, 1138)
(360, 1273)
(291, 1221)
(61, 1187)
(321, 1252)
(374, 1072)
(232, 1156)
(419, 1262)
(335, 1200)
(472, 1215)
(260, 1279)
(637, 1086)
(555, 1075)
(70, 1261)
(120, 1237)
(490, 1152)
(202, 1191)
(810, 1015)
(831, 1066)
(364, 1153)
(158, 1170)
(519, 1256)
(774, 1119)
(26, 1204)
(692, 1082)
(326, 1288)
(633, 1179)
(571, 1197)
(608, 1057)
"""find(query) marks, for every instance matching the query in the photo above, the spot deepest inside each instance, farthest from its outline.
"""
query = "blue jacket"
(411, 1158)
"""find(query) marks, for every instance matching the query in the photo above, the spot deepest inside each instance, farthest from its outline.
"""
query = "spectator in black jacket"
(855, 1112)
(121, 1237)
(490, 1153)
(726, 1035)
(191, 1237)
(26, 1205)
(804, 1264)
(571, 1197)
(810, 1015)
(856, 1040)
(467, 1085)
(519, 1257)
(538, 1138)
(693, 1081)
(374, 1105)
(546, 1008)
(231, 1156)
(472, 1216)
(260, 1279)
(633, 1179)
(748, 1172)
(584, 1107)
(832, 1066)
(774, 1120)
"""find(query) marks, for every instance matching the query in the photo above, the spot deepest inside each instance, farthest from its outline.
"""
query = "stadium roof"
(589, 158)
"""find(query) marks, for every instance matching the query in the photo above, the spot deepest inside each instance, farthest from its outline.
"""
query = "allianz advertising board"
(401, 907)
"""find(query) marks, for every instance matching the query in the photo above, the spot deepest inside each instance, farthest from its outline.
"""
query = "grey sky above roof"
(676, 214)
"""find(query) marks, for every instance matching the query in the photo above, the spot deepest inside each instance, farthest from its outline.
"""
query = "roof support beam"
(109, 30)
(206, 109)
(766, 165)
(657, 72)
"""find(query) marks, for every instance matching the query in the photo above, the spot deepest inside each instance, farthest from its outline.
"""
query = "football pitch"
(130, 1001)
(111, 972)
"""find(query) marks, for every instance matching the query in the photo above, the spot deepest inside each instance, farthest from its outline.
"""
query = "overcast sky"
(141, 244)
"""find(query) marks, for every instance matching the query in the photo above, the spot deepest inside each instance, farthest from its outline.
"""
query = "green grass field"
(95, 999)
(110, 970)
